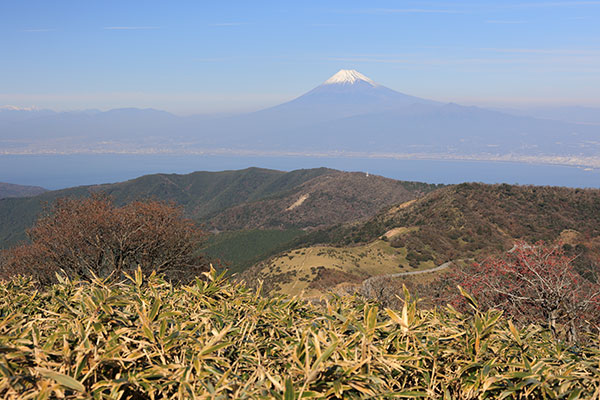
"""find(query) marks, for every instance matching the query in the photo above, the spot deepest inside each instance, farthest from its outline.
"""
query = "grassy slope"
(313, 271)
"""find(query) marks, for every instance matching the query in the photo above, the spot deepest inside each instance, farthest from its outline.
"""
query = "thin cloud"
(559, 4)
(550, 59)
(129, 28)
(369, 60)
(425, 61)
(543, 51)
(210, 60)
(410, 11)
(454, 49)
(327, 25)
(39, 30)
(503, 22)
(227, 24)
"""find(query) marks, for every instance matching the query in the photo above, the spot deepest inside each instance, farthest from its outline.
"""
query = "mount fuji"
(353, 93)
(346, 93)
(350, 112)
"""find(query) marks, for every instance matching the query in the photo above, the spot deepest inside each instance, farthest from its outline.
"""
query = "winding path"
(367, 283)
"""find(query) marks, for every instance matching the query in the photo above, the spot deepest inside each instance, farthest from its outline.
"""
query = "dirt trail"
(367, 285)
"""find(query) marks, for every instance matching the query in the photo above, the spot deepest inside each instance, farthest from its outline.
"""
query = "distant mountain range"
(347, 114)
(574, 114)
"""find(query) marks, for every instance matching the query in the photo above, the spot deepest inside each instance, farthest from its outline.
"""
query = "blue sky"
(227, 56)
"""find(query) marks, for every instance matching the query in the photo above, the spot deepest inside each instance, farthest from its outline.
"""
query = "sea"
(62, 171)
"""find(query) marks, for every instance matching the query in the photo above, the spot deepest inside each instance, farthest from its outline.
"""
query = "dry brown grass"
(299, 272)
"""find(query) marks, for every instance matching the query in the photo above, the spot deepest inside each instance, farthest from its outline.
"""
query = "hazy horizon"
(523, 106)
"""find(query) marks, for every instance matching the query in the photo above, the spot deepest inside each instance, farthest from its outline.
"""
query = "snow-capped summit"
(346, 93)
(17, 108)
(348, 77)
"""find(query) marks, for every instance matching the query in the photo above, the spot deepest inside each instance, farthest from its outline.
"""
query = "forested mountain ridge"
(469, 218)
(204, 195)
(13, 190)
(320, 202)
(200, 193)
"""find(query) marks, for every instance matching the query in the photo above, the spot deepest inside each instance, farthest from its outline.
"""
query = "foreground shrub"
(93, 237)
(148, 339)
(538, 283)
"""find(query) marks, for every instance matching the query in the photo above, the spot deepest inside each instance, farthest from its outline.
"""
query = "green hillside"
(206, 193)
(12, 190)
(201, 193)
(18, 214)
(238, 250)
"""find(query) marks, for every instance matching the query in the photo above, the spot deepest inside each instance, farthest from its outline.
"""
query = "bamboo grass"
(215, 339)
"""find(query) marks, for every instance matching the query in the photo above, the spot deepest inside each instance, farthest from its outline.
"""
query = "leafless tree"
(537, 283)
(91, 236)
